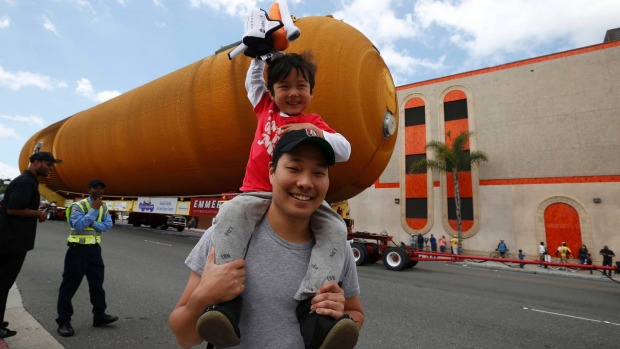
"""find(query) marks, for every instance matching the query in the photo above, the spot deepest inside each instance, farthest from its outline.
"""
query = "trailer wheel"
(359, 253)
(395, 258)
(180, 228)
(135, 224)
(163, 226)
(373, 252)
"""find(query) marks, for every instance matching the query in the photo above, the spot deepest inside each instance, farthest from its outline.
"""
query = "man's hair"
(282, 66)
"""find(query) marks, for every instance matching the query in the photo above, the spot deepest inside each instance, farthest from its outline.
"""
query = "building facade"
(551, 129)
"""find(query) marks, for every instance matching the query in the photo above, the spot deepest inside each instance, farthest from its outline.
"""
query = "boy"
(279, 108)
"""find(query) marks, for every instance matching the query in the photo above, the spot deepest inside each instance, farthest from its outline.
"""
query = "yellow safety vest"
(88, 236)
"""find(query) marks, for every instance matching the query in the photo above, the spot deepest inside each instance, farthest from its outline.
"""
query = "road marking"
(571, 316)
(158, 243)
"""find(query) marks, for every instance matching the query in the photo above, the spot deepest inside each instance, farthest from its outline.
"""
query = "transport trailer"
(381, 247)
(369, 248)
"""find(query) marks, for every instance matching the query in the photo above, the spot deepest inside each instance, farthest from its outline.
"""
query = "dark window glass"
(416, 208)
(467, 209)
(415, 116)
(455, 110)
(410, 159)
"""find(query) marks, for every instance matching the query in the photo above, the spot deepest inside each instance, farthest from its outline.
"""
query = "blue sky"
(59, 57)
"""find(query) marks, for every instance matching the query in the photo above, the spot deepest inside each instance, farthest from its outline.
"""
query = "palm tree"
(451, 159)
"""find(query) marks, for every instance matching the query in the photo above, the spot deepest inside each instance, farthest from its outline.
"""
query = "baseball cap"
(96, 182)
(44, 156)
(292, 139)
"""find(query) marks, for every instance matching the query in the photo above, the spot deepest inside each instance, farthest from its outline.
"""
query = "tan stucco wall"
(538, 119)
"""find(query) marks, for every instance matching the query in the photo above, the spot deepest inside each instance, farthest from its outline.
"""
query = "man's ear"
(271, 172)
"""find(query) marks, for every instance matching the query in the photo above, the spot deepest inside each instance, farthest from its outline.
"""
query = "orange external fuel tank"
(188, 133)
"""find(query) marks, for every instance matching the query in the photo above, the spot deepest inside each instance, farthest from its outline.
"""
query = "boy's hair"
(283, 65)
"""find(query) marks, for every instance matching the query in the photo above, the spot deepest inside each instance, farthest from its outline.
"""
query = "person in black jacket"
(18, 225)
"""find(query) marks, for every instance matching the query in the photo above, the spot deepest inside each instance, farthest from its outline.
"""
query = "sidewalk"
(535, 269)
(30, 333)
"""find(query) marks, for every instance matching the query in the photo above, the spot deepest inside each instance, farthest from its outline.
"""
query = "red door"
(562, 225)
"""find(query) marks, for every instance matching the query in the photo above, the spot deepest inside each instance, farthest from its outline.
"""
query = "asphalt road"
(432, 305)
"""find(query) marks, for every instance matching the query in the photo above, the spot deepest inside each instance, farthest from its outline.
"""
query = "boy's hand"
(329, 300)
(221, 283)
(300, 126)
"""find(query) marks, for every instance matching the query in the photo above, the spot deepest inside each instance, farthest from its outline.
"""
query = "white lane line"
(158, 243)
(571, 316)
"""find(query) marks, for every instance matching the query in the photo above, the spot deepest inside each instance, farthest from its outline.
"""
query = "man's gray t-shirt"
(274, 270)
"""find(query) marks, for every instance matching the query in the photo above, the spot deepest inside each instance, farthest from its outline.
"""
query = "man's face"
(300, 182)
(43, 168)
(292, 94)
(96, 191)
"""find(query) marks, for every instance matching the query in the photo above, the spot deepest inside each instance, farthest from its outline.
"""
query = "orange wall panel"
(456, 127)
(416, 185)
(415, 139)
(465, 186)
(417, 223)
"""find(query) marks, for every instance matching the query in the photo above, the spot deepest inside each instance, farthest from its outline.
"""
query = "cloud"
(5, 22)
(8, 132)
(48, 25)
(391, 29)
(32, 120)
(490, 28)
(158, 3)
(234, 8)
(16, 80)
(85, 88)
(121, 2)
(8, 172)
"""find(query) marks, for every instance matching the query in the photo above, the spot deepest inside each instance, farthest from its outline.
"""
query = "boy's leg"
(327, 257)
(326, 264)
(232, 229)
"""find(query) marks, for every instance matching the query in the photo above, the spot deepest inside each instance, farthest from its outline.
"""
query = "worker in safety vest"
(87, 218)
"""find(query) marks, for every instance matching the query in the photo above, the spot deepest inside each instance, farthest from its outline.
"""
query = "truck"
(157, 220)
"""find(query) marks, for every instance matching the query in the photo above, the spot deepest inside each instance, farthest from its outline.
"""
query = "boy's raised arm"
(255, 81)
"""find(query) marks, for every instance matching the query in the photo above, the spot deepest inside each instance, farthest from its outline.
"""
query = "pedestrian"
(608, 256)
(87, 218)
(433, 242)
(413, 241)
(583, 254)
(521, 257)
(589, 261)
(420, 242)
(454, 242)
(502, 248)
(19, 213)
(442, 244)
(269, 317)
(564, 252)
(542, 254)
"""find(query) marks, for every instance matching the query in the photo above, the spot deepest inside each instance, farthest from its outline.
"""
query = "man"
(543, 254)
(607, 259)
(502, 248)
(19, 213)
(564, 252)
(87, 218)
(454, 242)
(276, 262)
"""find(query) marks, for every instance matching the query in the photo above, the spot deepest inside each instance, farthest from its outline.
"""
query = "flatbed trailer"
(372, 247)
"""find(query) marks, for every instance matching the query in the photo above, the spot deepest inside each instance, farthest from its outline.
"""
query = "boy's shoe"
(219, 325)
(325, 332)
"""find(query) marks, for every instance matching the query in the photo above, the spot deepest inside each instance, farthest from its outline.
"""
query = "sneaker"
(103, 320)
(65, 330)
(6, 333)
(219, 325)
(325, 332)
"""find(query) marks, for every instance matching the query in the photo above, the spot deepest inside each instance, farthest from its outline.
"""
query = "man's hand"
(221, 283)
(42, 216)
(300, 126)
(329, 300)
(97, 202)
